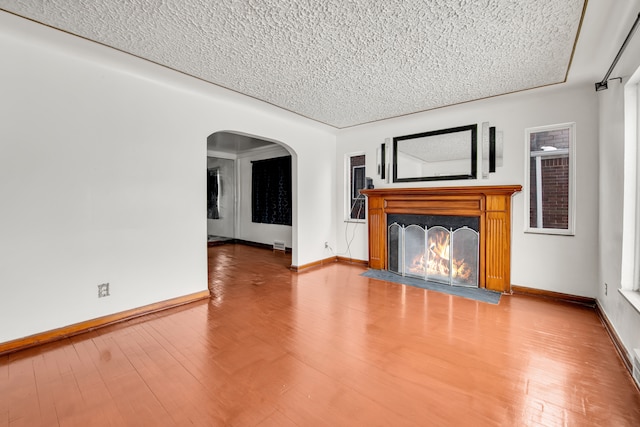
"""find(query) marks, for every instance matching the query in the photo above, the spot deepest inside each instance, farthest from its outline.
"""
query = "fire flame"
(436, 260)
(438, 248)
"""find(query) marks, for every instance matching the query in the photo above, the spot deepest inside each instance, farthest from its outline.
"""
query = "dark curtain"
(271, 191)
(213, 188)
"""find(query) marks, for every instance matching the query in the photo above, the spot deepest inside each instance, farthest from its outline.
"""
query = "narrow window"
(213, 193)
(356, 181)
(630, 274)
(549, 170)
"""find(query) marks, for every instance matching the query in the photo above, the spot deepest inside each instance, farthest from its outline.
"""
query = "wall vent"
(636, 366)
(278, 245)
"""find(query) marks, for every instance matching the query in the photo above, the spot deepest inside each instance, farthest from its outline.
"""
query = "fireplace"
(435, 248)
(429, 219)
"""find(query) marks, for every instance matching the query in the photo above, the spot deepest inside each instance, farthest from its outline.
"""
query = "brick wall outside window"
(555, 180)
(555, 193)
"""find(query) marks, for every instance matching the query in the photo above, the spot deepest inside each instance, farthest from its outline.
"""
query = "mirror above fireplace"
(438, 155)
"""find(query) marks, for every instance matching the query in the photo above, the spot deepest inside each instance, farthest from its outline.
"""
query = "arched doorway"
(230, 157)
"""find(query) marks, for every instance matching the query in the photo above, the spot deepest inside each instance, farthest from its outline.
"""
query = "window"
(549, 177)
(213, 190)
(356, 182)
(630, 271)
(271, 191)
(632, 137)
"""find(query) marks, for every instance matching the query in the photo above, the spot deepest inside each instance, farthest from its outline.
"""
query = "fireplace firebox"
(483, 212)
(446, 253)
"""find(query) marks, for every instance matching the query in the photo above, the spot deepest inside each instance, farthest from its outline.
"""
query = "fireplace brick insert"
(490, 204)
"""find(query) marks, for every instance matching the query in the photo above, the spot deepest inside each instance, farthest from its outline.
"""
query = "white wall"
(566, 264)
(102, 178)
(614, 158)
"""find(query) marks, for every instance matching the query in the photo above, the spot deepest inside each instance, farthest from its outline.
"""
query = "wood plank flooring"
(326, 347)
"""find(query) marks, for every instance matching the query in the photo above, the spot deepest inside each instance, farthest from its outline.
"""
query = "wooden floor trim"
(559, 296)
(299, 268)
(245, 242)
(617, 342)
(353, 261)
(89, 325)
(330, 260)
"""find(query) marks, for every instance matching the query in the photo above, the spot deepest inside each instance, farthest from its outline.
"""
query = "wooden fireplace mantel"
(491, 204)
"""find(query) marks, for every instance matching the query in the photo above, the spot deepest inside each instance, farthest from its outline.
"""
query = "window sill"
(550, 231)
(357, 221)
(633, 297)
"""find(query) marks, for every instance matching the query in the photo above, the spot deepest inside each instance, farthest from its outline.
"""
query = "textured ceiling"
(335, 61)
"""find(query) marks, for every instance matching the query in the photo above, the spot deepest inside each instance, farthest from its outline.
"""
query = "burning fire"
(438, 249)
(436, 259)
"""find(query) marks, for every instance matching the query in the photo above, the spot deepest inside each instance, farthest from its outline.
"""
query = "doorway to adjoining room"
(232, 159)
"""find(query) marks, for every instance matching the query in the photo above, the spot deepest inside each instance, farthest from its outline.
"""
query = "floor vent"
(636, 366)
(278, 245)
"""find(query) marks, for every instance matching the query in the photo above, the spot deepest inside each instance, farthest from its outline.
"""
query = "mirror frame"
(473, 152)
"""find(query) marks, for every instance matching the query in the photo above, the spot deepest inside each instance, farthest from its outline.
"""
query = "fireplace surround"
(490, 204)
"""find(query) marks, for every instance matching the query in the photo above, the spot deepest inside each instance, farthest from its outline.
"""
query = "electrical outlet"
(103, 290)
(605, 288)
(326, 245)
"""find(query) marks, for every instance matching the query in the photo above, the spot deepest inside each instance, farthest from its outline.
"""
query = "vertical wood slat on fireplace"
(491, 204)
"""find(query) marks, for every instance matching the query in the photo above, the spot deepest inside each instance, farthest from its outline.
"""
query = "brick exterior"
(555, 180)
(554, 138)
(555, 193)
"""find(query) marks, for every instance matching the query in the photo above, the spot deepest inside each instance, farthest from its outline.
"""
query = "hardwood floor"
(326, 347)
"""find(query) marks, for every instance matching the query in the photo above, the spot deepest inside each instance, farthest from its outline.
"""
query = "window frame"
(570, 230)
(630, 268)
(632, 136)
(349, 189)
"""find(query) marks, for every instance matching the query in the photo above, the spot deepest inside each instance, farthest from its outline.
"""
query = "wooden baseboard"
(330, 260)
(89, 325)
(617, 342)
(558, 296)
(353, 261)
(246, 243)
(299, 268)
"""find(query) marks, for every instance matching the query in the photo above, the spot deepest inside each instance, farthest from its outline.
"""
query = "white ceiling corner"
(340, 63)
